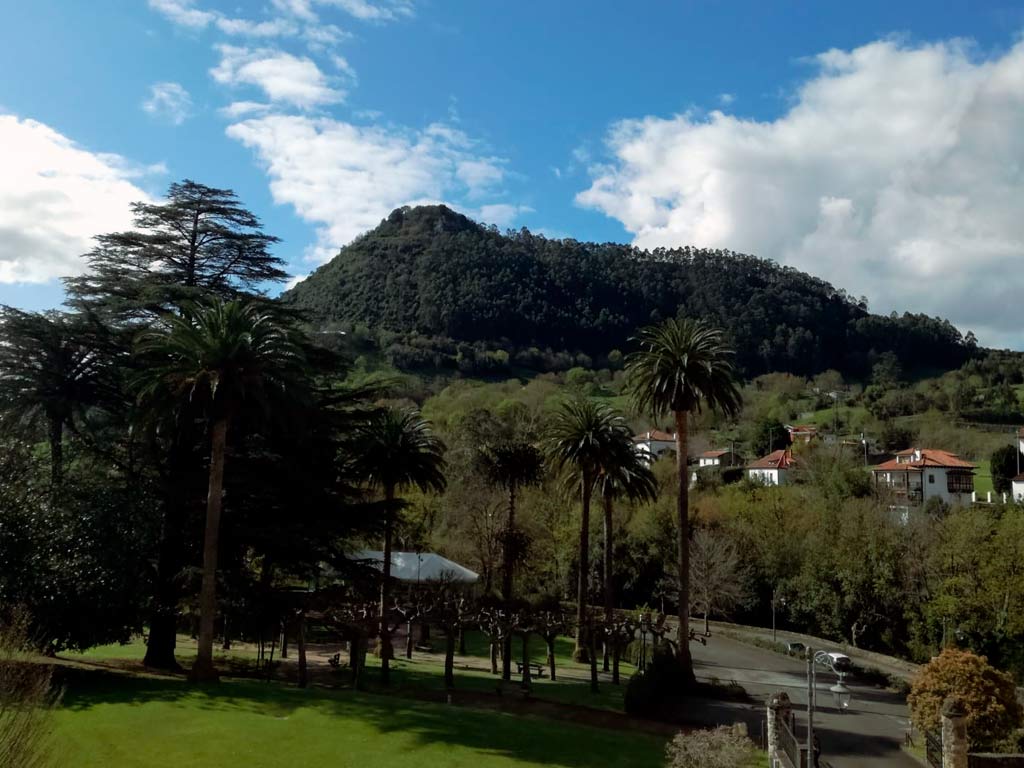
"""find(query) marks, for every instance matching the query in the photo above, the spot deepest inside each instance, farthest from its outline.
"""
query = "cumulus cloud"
(184, 13)
(284, 78)
(387, 10)
(500, 214)
(279, 27)
(896, 173)
(54, 197)
(168, 101)
(346, 178)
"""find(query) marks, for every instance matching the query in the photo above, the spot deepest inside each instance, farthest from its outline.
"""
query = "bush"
(721, 748)
(25, 698)
(988, 695)
(651, 692)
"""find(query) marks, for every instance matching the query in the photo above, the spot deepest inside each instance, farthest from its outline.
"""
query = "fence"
(788, 743)
(933, 749)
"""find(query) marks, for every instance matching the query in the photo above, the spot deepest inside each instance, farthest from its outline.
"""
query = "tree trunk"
(449, 658)
(616, 655)
(609, 594)
(462, 641)
(581, 651)
(551, 654)
(494, 656)
(355, 659)
(526, 660)
(593, 659)
(163, 619)
(226, 645)
(284, 640)
(300, 640)
(56, 452)
(408, 639)
(683, 513)
(385, 588)
(506, 581)
(203, 668)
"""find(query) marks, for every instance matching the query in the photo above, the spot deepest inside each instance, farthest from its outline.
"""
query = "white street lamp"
(841, 694)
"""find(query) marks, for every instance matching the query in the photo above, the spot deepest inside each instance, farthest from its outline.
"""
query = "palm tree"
(47, 374)
(512, 464)
(397, 449)
(625, 474)
(680, 367)
(583, 436)
(226, 355)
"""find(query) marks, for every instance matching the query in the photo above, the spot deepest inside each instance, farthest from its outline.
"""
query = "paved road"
(867, 736)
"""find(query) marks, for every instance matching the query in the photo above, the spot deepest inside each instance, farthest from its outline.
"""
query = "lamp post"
(841, 694)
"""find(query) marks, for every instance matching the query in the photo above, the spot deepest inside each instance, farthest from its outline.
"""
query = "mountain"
(433, 275)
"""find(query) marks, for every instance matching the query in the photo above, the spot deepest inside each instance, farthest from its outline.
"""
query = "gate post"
(779, 709)
(954, 734)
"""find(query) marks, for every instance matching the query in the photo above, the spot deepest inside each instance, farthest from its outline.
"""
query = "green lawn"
(111, 720)
(982, 477)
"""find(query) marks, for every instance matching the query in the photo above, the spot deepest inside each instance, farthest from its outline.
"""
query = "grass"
(983, 477)
(111, 719)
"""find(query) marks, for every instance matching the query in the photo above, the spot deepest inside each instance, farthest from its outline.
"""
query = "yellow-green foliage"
(988, 695)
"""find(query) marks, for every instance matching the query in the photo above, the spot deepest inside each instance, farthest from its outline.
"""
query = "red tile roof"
(714, 454)
(930, 457)
(781, 459)
(655, 434)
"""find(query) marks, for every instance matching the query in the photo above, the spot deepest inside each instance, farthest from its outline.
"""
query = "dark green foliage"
(896, 436)
(1007, 463)
(768, 435)
(433, 273)
(652, 692)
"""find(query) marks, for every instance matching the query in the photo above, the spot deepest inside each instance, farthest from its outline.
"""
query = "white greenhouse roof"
(413, 567)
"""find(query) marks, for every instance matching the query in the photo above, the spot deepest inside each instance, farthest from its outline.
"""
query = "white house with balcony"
(919, 474)
(654, 443)
(774, 469)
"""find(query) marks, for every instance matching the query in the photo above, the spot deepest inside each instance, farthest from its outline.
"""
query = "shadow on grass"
(529, 739)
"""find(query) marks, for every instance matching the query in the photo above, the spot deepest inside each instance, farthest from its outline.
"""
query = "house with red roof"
(801, 433)
(722, 458)
(919, 474)
(774, 469)
(654, 443)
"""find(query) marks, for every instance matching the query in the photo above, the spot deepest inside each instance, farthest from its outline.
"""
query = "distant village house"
(774, 469)
(920, 474)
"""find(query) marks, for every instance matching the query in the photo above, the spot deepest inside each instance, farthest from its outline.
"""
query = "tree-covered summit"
(431, 272)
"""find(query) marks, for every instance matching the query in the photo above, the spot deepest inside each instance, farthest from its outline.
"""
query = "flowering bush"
(720, 748)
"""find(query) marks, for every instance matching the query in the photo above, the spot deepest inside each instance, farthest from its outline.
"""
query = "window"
(959, 482)
(931, 479)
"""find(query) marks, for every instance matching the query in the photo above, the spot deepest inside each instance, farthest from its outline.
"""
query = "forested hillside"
(438, 278)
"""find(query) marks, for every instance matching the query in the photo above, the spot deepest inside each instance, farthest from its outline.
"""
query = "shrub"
(650, 692)
(988, 695)
(721, 748)
(25, 698)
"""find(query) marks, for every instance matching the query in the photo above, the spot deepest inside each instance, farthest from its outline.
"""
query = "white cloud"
(284, 78)
(341, 64)
(183, 12)
(239, 109)
(725, 99)
(295, 280)
(379, 11)
(279, 27)
(347, 177)
(480, 175)
(897, 173)
(168, 101)
(500, 214)
(54, 197)
(302, 9)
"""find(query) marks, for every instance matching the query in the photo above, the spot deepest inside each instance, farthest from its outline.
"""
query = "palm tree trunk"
(385, 587)
(301, 640)
(609, 594)
(683, 512)
(506, 580)
(581, 651)
(56, 451)
(203, 668)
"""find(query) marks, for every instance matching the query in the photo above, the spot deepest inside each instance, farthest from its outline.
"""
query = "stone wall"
(983, 760)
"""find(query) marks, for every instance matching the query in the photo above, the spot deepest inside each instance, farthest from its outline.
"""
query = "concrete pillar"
(779, 708)
(974, 497)
(989, 497)
(1004, 497)
(954, 734)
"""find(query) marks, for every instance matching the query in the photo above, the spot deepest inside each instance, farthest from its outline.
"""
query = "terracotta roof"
(801, 428)
(714, 454)
(654, 434)
(781, 459)
(930, 457)
(1018, 479)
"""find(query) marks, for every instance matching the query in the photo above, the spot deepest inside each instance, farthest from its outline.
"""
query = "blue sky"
(871, 143)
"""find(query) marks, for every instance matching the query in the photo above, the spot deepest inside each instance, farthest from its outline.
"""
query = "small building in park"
(801, 433)
(654, 443)
(918, 474)
(1017, 489)
(774, 469)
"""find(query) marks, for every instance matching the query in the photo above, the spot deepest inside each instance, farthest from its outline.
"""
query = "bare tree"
(26, 700)
(716, 574)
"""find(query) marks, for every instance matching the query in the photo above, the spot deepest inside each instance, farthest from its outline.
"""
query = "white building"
(918, 474)
(1017, 488)
(773, 469)
(724, 458)
(654, 443)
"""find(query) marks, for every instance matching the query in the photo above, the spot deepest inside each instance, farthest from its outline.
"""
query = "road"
(867, 736)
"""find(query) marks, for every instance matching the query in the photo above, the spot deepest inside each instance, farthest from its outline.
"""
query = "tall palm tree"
(625, 474)
(511, 464)
(680, 367)
(226, 355)
(397, 449)
(582, 437)
(47, 374)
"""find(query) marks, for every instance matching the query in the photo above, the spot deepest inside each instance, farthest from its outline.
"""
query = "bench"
(536, 670)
